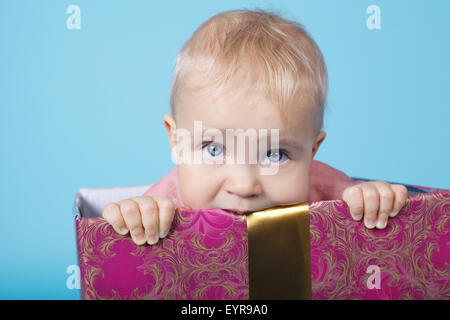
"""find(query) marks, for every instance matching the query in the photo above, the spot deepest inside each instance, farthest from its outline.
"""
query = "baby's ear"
(169, 123)
(319, 139)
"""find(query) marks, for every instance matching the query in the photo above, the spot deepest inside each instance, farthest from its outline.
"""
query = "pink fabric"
(325, 182)
(205, 255)
(412, 253)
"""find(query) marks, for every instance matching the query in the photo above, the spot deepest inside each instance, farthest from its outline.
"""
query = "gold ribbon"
(279, 256)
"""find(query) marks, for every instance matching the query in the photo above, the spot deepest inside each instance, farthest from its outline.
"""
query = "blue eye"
(276, 156)
(214, 149)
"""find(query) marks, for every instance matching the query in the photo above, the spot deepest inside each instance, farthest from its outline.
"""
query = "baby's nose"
(243, 183)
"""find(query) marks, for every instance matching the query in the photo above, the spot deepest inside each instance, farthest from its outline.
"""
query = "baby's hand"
(376, 200)
(147, 218)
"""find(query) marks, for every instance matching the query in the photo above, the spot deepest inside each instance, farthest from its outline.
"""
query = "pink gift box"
(205, 255)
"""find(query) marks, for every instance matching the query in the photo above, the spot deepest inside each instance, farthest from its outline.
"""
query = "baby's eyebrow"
(288, 141)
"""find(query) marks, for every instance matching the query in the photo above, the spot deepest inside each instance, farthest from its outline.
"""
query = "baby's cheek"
(196, 191)
(195, 198)
(289, 189)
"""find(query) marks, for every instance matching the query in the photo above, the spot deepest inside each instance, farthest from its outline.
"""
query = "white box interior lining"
(89, 203)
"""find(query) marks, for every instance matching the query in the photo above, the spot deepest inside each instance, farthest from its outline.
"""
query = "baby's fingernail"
(357, 217)
(153, 240)
(163, 233)
(123, 231)
(139, 239)
(370, 224)
(381, 224)
(393, 213)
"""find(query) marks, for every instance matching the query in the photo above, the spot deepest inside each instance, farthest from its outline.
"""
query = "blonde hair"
(276, 56)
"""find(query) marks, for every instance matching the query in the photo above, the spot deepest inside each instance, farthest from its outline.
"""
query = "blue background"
(83, 108)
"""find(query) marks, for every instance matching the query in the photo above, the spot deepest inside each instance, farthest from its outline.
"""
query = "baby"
(254, 72)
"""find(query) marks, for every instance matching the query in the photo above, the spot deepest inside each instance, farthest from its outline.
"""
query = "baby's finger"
(400, 197)
(150, 217)
(132, 217)
(112, 214)
(386, 195)
(166, 214)
(371, 204)
(354, 198)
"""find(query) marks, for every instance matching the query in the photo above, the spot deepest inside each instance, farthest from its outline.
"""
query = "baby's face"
(217, 182)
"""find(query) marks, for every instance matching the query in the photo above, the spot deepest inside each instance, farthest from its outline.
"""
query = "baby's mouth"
(241, 212)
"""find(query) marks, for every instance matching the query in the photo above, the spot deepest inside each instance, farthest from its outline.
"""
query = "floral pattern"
(412, 253)
(205, 255)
